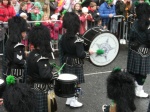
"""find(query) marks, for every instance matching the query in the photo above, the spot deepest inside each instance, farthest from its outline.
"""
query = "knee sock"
(140, 79)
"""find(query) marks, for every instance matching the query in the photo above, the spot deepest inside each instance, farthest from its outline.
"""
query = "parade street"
(94, 89)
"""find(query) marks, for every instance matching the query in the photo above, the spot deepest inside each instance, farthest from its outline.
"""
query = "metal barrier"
(118, 26)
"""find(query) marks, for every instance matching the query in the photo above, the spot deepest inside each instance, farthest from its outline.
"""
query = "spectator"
(23, 9)
(129, 8)
(141, 1)
(37, 13)
(46, 22)
(74, 2)
(16, 5)
(95, 15)
(56, 26)
(7, 11)
(24, 39)
(107, 11)
(46, 9)
(77, 9)
(120, 7)
(53, 6)
(67, 6)
(84, 16)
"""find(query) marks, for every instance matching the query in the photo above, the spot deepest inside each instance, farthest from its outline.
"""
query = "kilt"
(148, 108)
(138, 64)
(42, 105)
(76, 70)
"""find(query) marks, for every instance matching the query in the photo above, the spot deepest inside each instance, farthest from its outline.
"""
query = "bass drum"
(95, 39)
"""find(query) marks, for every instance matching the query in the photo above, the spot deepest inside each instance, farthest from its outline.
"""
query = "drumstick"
(99, 51)
(61, 68)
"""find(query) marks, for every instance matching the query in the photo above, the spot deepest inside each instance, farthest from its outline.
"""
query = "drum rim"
(115, 56)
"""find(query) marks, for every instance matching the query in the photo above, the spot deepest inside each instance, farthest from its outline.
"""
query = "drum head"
(67, 77)
(107, 42)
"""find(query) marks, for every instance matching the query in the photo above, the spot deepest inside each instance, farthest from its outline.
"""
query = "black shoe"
(105, 108)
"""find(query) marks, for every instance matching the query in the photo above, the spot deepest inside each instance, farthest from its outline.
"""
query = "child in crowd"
(56, 26)
(37, 13)
(47, 22)
(95, 14)
(84, 17)
(25, 39)
(46, 9)
(23, 8)
(75, 2)
(99, 24)
(77, 9)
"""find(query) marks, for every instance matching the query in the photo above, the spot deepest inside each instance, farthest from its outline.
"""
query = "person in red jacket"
(6, 10)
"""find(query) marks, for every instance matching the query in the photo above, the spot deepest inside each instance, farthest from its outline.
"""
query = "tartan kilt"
(76, 70)
(138, 64)
(42, 105)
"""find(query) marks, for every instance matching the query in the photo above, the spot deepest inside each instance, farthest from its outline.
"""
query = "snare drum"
(95, 39)
(65, 85)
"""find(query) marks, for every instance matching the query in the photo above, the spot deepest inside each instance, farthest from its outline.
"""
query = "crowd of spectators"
(50, 12)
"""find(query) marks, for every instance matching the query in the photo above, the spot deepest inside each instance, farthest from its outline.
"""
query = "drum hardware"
(66, 85)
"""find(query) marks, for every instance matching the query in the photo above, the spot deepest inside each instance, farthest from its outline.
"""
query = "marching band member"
(72, 52)
(138, 63)
(18, 97)
(15, 56)
(121, 90)
(39, 69)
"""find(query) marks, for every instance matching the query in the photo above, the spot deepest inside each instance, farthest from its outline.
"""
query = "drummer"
(39, 69)
(72, 52)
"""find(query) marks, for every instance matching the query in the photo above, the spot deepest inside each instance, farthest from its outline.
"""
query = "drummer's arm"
(45, 69)
(80, 50)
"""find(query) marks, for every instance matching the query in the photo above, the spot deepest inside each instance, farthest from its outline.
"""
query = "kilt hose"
(76, 70)
(137, 64)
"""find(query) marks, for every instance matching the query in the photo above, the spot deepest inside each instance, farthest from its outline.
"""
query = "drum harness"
(141, 49)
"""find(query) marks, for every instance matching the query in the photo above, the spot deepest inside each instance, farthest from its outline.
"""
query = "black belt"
(73, 61)
(141, 49)
(45, 87)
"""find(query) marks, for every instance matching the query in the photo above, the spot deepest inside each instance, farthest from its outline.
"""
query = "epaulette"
(42, 58)
(79, 39)
(19, 44)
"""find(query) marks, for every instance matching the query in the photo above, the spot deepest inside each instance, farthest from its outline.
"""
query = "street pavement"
(94, 89)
